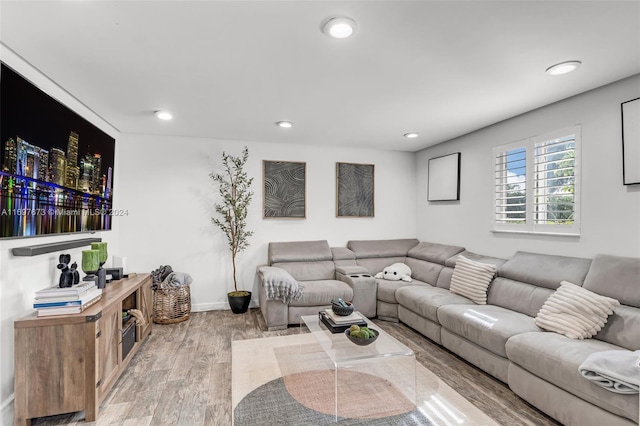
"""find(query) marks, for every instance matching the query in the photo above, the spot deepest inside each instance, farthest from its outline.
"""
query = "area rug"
(289, 380)
(308, 399)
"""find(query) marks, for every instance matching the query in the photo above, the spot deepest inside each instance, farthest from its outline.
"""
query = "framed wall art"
(444, 178)
(630, 112)
(284, 189)
(355, 188)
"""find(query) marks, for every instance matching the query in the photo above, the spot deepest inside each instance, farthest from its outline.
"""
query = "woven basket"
(171, 305)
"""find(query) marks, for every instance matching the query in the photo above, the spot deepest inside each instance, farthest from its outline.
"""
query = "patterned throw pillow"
(575, 311)
(471, 279)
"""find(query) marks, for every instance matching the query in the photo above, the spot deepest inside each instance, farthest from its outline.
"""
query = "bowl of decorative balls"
(361, 335)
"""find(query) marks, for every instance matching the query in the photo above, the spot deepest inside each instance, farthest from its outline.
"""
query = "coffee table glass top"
(340, 349)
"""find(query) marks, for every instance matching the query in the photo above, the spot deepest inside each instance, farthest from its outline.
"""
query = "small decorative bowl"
(359, 340)
(342, 310)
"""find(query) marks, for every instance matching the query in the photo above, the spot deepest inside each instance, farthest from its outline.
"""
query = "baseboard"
(6, 411)
(218, 306)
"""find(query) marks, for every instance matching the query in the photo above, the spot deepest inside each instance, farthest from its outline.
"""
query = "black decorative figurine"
(76, 274)
(66, 274)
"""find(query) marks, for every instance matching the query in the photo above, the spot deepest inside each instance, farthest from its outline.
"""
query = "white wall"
(21, 277)
(610, 210)
(169, 197)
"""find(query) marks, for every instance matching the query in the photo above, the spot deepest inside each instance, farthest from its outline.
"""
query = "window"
(537, 184)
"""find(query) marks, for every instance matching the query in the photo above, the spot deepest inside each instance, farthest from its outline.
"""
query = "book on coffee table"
(352, 318)
(338, 328)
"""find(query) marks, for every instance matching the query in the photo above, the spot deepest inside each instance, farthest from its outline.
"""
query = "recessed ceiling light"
(285, 124)
(164, 115)
(339, 27)
(563, 67)
(411, 135)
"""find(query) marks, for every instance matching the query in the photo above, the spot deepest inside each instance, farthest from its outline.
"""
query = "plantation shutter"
(554, 181)
(510, 174)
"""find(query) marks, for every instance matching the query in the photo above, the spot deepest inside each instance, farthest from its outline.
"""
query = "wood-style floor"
(182, 376)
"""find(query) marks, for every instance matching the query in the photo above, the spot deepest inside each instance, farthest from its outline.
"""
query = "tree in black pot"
(234, 186)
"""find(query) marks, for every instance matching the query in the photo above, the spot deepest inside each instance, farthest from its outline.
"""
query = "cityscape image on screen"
(56, 168)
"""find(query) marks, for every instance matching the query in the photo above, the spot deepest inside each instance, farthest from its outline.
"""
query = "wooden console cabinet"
(69, 363)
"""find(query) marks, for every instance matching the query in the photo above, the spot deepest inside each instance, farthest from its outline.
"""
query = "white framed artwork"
(444, 178)
(630, 112)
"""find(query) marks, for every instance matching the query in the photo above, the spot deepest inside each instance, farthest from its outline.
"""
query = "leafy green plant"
(234, 188)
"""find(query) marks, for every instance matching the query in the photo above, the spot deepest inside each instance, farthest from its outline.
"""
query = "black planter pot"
(239, 304)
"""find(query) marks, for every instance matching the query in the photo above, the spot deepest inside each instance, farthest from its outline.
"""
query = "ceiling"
(231, 69)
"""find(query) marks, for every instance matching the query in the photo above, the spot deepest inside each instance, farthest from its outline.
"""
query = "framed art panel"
(444, 178)
(355, 190)
(284, 189)
(630, 111)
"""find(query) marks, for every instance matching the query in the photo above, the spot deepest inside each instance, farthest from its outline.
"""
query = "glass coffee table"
(373, 381)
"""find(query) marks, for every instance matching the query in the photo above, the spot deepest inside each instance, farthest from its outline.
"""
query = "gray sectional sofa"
(500, 337)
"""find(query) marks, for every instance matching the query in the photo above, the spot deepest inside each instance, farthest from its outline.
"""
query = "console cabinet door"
(109, 348)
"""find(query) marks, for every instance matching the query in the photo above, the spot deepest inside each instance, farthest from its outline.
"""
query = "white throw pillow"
(471, 279)
(575, 311)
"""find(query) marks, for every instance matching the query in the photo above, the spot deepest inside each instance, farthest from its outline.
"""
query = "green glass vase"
(102, 250)
(90, 264)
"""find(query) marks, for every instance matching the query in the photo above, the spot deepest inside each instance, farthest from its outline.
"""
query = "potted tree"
(234, 187)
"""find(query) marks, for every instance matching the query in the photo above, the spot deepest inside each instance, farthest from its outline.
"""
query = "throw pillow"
(471, 279)
(575, 311)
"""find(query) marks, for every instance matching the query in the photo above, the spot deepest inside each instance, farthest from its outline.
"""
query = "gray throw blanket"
(616, 371)
(176, 279)
(279, 284)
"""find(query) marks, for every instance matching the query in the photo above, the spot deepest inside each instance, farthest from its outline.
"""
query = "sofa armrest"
(275, 313)
(354, 269)
(365, 291)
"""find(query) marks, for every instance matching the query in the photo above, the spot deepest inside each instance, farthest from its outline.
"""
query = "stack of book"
(337, 323)
(69, 300)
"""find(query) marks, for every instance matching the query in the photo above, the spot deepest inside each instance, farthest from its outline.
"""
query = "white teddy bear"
(396, 272)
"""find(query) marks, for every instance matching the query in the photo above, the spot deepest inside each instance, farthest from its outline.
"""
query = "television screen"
(56, 168)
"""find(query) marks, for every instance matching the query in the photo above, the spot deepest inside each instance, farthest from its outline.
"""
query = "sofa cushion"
(556, 358)
(471, 279)
(377, 264)
(299, 251)
(517, 296)
(424, 270)
(425, 300)
(387, 289)
(321, 292)
(575, 312)
(381, 248)
(309, 271)
(485, 325)
(545, 270)
(444, 279)
(432, 252)
(622, 328)
(342, 253)
(616, 277)
(451, 262)
(527, 279)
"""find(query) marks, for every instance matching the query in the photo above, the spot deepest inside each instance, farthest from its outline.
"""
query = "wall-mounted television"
(56, 168)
